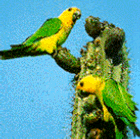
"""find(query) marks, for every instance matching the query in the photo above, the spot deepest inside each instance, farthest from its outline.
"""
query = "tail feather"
(15, 52)
(16, 45)
(119, 134)
(10, 54)
(136, 131)
(19, 51)
(132, 126)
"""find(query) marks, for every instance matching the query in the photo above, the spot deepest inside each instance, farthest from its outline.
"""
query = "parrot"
(52, 34)
(114, 99)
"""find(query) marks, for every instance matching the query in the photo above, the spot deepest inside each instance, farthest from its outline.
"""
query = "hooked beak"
(77, 87)
(76, 15)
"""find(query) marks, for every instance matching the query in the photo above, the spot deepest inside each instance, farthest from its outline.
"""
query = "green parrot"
(47, 38)
(116, 102)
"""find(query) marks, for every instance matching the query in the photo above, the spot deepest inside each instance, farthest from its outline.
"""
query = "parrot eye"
(81, 84)
(69, 9)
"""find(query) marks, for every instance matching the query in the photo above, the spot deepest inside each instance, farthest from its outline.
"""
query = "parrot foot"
(54, 54)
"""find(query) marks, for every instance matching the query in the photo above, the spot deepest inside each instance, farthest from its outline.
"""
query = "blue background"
(36, 94)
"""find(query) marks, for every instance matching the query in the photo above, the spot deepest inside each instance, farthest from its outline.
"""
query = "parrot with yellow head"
(113, 98)
(52, 34)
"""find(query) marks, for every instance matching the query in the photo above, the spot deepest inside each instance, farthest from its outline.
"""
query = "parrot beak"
(77, 87)
(76, 15)
(81, 93)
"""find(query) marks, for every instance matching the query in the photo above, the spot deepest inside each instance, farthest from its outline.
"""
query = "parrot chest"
(62, 35)
(49, 44)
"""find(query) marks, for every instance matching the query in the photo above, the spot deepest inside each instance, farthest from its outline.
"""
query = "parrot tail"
(20, 51)
(136, 131)
(132, 126)
(15, 52)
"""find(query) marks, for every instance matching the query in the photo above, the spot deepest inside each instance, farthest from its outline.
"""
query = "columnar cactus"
(105, 56)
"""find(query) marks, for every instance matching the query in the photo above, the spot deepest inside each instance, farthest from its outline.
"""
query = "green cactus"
(105, 56)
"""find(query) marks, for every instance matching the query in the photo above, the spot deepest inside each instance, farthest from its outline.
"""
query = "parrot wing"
(49, 28)
(128, 98)
(114, 99)
(117, 98)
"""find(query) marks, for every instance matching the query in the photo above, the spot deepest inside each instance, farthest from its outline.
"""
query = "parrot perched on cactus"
(47, 38)
(115, 100)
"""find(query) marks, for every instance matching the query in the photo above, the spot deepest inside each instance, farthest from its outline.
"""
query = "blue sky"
(36, 94)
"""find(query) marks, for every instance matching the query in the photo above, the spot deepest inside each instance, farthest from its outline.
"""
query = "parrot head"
(70, 15)
(76, 14)
(90, 84)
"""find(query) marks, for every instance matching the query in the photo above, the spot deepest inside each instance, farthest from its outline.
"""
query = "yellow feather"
(91, 84)
(49, 44)
(95, 85)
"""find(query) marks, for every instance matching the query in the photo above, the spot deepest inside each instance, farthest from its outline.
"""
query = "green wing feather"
(128, 98)
(115, 99)
(119, 100)
(49, 28)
